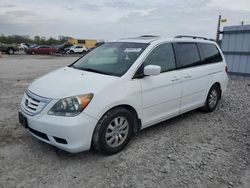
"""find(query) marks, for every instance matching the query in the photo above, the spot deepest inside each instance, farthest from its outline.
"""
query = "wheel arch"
(137, 121)
(10, 48)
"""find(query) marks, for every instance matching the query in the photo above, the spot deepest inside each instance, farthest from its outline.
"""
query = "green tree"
(37, 40)
(40, 40)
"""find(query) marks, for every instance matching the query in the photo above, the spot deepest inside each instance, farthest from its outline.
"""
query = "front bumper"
(72, 134)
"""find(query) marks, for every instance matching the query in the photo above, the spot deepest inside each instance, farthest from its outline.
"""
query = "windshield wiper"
(93, 70)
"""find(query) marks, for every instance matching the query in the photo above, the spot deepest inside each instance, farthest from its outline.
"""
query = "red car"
(42, 49)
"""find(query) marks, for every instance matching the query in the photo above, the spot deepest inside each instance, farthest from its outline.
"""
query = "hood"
(66, 82)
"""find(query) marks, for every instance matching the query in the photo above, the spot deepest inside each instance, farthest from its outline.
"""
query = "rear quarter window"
(209, 53)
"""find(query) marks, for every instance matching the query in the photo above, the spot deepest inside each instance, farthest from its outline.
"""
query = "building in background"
(236, 48)
(88, 43)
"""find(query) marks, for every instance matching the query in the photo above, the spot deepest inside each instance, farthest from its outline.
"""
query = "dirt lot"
(193, 150)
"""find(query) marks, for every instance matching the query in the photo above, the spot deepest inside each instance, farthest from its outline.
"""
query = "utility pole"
(218, 30)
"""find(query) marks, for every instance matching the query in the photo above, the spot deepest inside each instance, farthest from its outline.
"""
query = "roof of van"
(151, 38)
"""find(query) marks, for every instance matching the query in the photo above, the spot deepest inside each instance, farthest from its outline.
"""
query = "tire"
(213, 98)
(71, 52)
(108, 141)
(10, 51)
(33, 53)
(84, 52)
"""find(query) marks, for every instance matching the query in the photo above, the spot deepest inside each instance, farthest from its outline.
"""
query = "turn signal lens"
(84, 100)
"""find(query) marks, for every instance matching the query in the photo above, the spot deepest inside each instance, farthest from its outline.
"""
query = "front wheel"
(212, 98)
(10, 51)
(113, 131)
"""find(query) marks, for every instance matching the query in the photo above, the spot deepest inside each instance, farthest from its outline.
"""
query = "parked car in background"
(121, 87)
(42, 49)
(62, 48)
(23, 46)
(8, 48)
(77, 49)
(32, 45)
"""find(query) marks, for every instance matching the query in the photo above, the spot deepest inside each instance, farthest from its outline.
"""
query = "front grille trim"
(33, 104)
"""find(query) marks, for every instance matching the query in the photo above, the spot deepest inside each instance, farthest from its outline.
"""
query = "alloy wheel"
(117, 131)
(213, 98)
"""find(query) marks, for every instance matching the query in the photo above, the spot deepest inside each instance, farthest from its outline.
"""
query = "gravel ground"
(194, 150)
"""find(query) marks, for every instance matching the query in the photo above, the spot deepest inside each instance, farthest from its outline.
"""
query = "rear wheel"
(71, 52)
(113, 131)
(212, 98)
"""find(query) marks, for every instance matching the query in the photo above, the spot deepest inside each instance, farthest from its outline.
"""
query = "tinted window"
(187, 54)
(162, 56)
(210, 53)
(44, 47)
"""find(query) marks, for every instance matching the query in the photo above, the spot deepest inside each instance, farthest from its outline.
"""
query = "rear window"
(44, 46)
(187, 54)
(209, 53)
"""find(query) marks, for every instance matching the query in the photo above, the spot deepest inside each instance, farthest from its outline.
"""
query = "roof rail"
(194, 37)
(150, 36)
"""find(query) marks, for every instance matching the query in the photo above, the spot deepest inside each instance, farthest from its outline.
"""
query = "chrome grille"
(33, 104)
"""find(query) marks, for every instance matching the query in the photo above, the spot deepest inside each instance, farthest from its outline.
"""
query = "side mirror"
(152, 70)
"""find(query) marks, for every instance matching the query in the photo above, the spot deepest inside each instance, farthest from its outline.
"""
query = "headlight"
(71, 106)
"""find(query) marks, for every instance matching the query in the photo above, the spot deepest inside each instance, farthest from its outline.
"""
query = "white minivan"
(122, 87)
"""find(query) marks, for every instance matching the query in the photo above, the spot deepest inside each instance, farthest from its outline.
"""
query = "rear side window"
(44, 46)
(187, 54)
(163, 56)
(209, 53)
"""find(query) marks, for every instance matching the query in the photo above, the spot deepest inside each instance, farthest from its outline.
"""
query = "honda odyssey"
(122, 87)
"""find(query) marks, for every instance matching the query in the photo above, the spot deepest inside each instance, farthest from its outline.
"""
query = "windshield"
(113, 58)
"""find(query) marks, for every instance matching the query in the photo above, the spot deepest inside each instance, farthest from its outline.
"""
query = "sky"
(112, 19)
